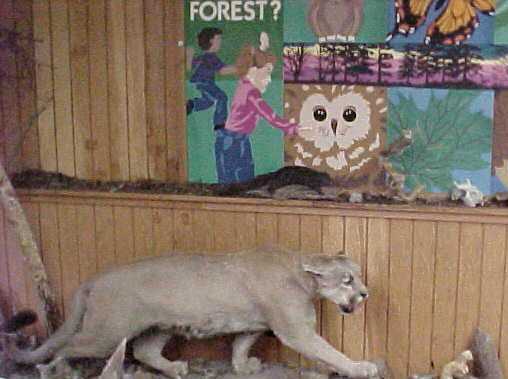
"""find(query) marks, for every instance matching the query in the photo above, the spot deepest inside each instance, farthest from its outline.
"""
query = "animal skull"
(470, 195)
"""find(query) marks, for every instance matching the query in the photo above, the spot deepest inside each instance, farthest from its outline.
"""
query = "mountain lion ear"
(318, 264)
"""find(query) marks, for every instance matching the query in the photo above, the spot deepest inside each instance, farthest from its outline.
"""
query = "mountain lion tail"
(19, 321)
(59, 338)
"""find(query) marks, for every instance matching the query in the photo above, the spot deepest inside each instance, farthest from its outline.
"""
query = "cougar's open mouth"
(347, 309)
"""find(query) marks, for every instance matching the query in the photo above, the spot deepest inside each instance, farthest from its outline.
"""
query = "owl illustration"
(342, 130)
(335, 19)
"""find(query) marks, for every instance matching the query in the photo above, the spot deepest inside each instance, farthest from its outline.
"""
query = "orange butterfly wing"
(409, 15)
(458, 21)
(485, 6)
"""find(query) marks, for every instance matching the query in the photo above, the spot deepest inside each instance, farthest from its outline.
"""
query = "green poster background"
(501, 23)
(267, 142)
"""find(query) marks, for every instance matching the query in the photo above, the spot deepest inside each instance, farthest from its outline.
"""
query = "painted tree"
(351, 58)
(330, 55)
(408, 68)
(426, 61)
(325, 61)
(471, 58)
(452, 65)
(384, 62)
(294, 55)
(362, 66)
(434, 66)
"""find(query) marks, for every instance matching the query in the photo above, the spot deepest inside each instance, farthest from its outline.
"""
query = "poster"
(351, 91)
(439, 22)
(452, 136)
(240, 24)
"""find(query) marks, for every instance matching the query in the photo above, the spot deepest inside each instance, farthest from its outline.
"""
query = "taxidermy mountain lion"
(206, 295)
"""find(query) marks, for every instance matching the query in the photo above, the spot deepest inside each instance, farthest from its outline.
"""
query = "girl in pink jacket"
(233, 151)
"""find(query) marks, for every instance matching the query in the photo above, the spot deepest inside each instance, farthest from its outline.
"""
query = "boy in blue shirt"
(204, 67)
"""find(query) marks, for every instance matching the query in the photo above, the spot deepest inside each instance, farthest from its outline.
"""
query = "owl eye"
(320, 113)
(349, 114)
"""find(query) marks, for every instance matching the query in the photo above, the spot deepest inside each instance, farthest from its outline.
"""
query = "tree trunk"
(16, 216)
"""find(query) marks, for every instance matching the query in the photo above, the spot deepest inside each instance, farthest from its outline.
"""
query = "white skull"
(470, 195)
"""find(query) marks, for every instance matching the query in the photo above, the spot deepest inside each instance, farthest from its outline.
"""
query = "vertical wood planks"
(44, 86)
(492, 276)
(69, 255)
(424, 245)
(136, 89)
(62, 86)
(104, 237)
(267, 236)
(155, 82)
(469, 282)
(124, 234)
(224, 234)
(163, 230)
(445, 293)
(356, 249)
(50, 249)
(85, 223)
(26, 66)
(117, 90)
(184, 229)
(333, 244)
(99, 90)
(9, 123)
(204, 233)
(266, 226)
(310, 234)
(109, 89)
(175, 94)
(245, 227)
(377, 279)
(143, 236)
(399, 302)
(288, 229)
(311, 243)
(78, 25)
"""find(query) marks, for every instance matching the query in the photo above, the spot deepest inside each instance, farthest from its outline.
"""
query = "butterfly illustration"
(455, 24)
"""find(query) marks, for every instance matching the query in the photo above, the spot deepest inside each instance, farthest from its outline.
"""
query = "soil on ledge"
(37, 179)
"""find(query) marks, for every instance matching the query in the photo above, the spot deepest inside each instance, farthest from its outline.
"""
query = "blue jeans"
(211, 94)
(233, 156)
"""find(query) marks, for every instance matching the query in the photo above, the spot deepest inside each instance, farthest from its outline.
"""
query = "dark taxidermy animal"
(286, 176)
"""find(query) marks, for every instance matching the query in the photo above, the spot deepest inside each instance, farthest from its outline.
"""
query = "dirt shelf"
(37, 179)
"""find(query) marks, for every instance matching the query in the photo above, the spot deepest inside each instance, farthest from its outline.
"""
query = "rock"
(356, 197)
(459, 368)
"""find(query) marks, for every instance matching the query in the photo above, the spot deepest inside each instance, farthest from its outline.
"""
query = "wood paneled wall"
(109, 87)
(434, 274)
(18, 131)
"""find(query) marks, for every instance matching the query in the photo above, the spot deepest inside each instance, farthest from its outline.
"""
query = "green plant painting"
(501, 22)
(452, 136)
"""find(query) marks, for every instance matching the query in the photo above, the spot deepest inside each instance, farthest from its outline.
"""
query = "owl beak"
(334, 126)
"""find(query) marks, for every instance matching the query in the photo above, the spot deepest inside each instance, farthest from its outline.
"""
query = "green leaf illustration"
(501, 21)
(447, 135)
